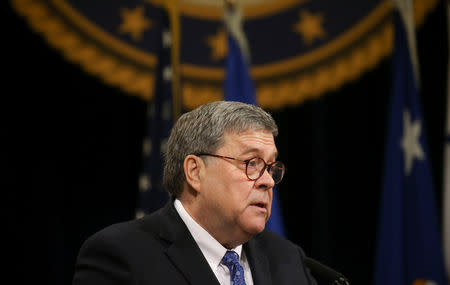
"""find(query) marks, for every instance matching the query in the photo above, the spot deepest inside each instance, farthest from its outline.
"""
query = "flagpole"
(175, 28)
(230, 4)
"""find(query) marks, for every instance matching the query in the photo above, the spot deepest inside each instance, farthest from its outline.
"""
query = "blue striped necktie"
(231, 260)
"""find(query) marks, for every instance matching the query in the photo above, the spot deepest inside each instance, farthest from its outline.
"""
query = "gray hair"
(201, 131)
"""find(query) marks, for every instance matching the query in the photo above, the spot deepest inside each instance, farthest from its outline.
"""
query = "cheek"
(227, 191)
(239, 197)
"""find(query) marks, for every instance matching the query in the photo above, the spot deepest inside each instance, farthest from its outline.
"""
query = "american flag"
(152, 196)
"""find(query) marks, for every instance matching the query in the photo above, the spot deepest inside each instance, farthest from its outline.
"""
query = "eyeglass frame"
(267, 166)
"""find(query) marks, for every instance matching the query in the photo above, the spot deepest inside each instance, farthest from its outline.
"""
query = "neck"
(229, 236)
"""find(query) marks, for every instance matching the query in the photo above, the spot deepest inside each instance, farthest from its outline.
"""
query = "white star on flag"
(410, 141)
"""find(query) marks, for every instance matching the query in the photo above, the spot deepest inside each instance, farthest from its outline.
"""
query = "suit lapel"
(188, 258)
(259, 264)
(182, 250)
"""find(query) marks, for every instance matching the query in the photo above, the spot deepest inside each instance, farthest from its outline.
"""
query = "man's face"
(234, 205)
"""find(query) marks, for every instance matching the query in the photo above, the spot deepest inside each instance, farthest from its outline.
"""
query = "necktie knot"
(231, 260)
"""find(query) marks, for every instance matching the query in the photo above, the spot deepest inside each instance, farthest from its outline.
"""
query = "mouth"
(260, 205)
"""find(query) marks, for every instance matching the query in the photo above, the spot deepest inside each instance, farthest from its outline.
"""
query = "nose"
(265, 181)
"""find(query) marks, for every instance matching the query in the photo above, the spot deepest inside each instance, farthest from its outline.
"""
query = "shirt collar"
(210, 247)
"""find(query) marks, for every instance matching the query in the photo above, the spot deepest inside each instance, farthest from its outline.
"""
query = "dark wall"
(73, 153)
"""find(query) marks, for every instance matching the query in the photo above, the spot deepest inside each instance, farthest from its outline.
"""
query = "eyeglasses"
(255, 167)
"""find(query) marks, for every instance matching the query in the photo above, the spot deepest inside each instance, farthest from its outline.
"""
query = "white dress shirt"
(212, 250)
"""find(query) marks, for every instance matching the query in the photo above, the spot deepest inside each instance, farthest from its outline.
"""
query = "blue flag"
(152, 195)
(239, 87)
(238, 83)
(409, 246)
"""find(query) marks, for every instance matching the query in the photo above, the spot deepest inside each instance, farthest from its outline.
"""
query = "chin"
(252, 223)
(256, 228)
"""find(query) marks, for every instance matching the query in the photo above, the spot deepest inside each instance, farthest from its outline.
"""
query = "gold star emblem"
(218, 45)
(310, 26)
(134, 22)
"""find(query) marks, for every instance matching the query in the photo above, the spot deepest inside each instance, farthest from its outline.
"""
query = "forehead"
(260, 141)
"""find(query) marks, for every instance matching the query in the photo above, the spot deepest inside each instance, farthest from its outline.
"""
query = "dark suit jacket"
(159, 249)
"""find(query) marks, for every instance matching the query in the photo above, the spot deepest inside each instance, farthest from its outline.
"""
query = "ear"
(193, 166)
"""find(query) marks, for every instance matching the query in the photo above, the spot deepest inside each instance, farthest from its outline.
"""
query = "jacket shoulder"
(269, 239)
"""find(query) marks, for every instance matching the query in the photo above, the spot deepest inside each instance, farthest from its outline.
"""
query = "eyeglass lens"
(256, 167)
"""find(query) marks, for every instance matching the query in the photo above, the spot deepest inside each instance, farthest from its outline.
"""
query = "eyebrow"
(252, 149)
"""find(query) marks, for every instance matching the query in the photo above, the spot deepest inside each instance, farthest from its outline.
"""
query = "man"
(220, 170)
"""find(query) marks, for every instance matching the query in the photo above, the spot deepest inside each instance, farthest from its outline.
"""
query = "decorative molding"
(290, 81)
(297, 88)
(86, 52)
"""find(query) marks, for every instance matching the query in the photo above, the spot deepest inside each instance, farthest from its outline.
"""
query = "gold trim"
(421, 9)
(329, 77)
(140, 81)
(303, 86)
(140, 57)
(260, 72)
(249, 11)
(76, 49)
(214, 12)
